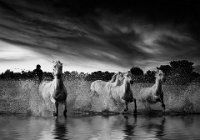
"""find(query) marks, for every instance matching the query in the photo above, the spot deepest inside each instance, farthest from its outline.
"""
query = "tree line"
(177, 72)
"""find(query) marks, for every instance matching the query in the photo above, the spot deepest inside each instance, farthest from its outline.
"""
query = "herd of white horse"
(118, 89)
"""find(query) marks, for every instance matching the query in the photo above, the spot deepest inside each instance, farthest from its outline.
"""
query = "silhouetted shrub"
(136, 71)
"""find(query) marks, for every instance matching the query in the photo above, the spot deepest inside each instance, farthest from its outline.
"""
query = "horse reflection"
(155, 124)
(188, 120)
(60, 131)
(129, 127)
(145, 125)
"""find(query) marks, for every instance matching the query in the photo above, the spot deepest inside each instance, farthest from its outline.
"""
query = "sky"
(92, 35)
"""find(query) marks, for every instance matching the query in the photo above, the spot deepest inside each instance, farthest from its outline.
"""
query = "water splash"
(23, 97)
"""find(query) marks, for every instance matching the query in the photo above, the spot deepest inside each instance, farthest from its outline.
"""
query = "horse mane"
(127, 85)
(128, 95)
(61, 84)
(113, 79)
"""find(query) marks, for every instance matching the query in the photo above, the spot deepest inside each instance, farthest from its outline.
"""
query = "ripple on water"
(99, 127)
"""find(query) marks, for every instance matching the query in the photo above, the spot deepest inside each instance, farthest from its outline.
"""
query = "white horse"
(97, 86)
(55, 90)
(123, 92)
(154, 94)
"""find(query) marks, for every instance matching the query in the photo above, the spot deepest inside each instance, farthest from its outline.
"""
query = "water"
(117, 127)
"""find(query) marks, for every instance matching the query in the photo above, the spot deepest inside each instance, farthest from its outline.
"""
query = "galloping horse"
(55, 90)
(123, 92)
(154, 94)
(97, 86)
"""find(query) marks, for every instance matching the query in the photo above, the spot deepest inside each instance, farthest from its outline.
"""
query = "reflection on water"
(100, 127)
(60, 129)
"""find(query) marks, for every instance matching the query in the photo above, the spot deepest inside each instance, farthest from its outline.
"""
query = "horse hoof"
(55, 114)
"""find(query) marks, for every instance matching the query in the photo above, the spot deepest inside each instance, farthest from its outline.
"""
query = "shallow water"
(100, 127)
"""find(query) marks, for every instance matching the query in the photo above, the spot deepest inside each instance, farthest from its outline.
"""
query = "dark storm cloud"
(123, 34)
(180, 48)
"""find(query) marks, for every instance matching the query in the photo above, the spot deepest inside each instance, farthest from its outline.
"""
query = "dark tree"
(195, 77)
(7, 74)
(166, 69)
(181, 72)
(182, 67)
(48, 76)
(99, 75)
(136, 71)
(150, 76)
(67, 75)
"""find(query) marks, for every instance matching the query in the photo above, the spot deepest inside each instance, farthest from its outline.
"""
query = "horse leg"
(135, 109)
(163, 105)
(149, 107)
(56, 112)
(126, 108)
(65, 111)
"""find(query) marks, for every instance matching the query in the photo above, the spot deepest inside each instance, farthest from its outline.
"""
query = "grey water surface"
(117, 127)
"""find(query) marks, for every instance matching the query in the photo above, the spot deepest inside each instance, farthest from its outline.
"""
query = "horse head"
(160, 75)
(128, 95)
(57, 68)
(117, 78)
(127, 77)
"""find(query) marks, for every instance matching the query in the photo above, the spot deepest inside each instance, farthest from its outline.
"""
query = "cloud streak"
(118, 40)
